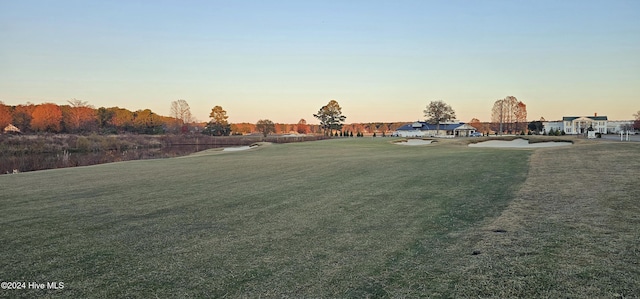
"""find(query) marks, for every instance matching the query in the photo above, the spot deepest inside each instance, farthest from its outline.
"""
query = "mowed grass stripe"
(571, 232)
(335, 218)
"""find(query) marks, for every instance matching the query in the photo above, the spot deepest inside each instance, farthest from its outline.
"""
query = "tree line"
(508, 115)
(79, 117)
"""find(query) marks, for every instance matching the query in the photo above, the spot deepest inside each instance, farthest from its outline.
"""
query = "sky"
(383, 61)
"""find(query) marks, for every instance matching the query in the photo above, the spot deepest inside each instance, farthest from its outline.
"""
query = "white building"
(423, 129)
(552, 125)
(582, 124)
(617, 126)
(573, 125)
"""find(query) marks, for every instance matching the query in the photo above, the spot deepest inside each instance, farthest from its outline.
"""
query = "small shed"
(11, 129)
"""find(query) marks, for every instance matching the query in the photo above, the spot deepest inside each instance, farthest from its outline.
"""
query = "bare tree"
(180, 110)
(507, 113)
(438, 112)
(78, 103)
(521, 116)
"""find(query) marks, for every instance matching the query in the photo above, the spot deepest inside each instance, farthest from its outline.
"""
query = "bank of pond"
(23, 153)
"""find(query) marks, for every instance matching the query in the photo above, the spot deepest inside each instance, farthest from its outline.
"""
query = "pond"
(38, 161)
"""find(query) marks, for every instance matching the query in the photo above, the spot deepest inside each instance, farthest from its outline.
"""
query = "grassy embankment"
(337, 218)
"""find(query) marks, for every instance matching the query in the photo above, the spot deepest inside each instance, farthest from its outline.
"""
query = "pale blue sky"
(283, 60)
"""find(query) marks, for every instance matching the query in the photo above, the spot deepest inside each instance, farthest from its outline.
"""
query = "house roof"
(571, 118)
(423, 126)
(11, 128)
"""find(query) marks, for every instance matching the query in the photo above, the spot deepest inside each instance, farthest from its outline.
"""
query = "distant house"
(617, 126)
(582, 124)
(555, 126)
(574, 125)
(11, 129)
(423, 129)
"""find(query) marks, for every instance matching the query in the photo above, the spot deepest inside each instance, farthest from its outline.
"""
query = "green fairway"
(336, 218)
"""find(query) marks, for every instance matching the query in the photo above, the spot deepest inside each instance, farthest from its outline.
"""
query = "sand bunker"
(415, 142)
(235, 149)
(518, 143)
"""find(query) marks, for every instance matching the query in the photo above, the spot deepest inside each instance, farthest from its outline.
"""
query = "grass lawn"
(335, 218)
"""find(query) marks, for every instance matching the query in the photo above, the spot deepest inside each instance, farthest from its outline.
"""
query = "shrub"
(83, 144)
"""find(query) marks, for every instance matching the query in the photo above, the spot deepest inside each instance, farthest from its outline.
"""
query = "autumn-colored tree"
(482, 127)
(314, 129)
(281, 128)
(5, 116)
(476, 124)
(287, 128)
(265, 127)
(104, 117)
(219, 115)
(438, 112)
(243, 128)
(395, 126)
(521, 116)
(147, 122)
(381, 127)
(122, 119)
(355, 127)
(302, 126)
(46, 117)
(22, 116)
(79, 117)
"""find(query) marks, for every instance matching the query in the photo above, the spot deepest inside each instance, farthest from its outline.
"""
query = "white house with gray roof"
(424, 129)
(573, 125)
(582, 124)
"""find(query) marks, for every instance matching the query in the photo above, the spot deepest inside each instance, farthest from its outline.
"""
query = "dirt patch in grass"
(571, 232)
(414, 142)
(519, 143)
